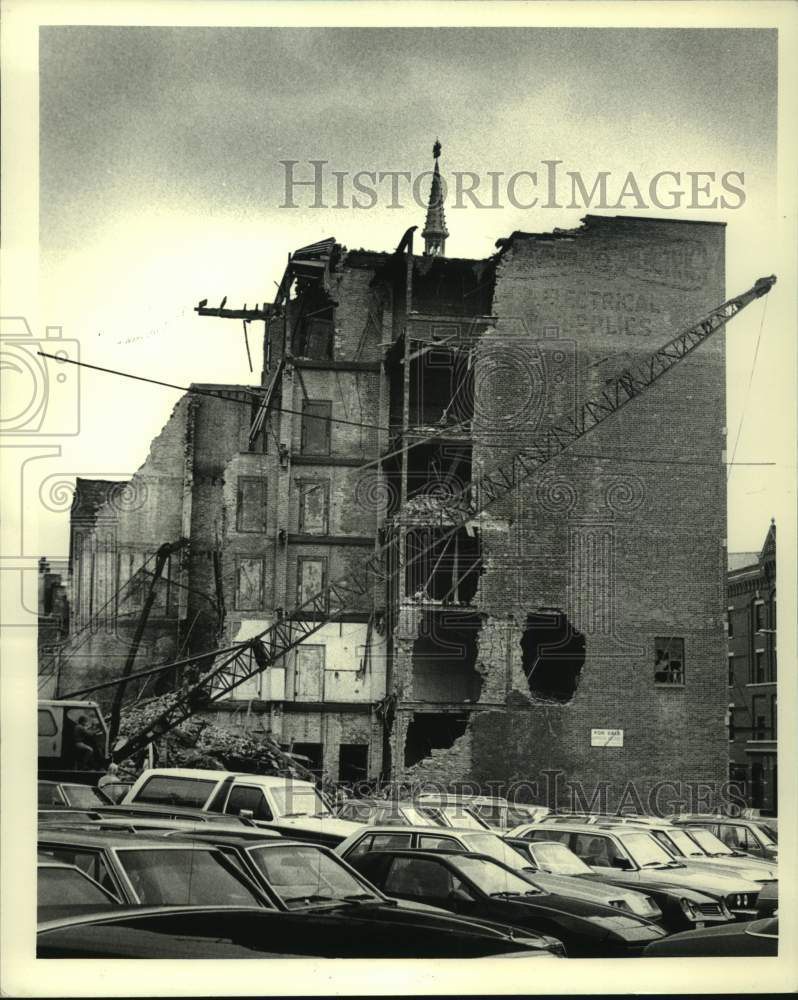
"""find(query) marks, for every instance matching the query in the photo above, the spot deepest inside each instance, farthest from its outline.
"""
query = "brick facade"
(618, 545)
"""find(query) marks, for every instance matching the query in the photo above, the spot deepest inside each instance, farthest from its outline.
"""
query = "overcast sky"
(161, 183)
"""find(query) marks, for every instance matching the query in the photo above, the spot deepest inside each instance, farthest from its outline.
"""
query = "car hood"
(579, 916)
(747, 868)
(699, 878)
(593, 891)
(421, 916)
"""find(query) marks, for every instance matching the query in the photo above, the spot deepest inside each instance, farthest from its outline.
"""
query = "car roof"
(266, 780)
(104, 839)
(439, 831)
(582, 827)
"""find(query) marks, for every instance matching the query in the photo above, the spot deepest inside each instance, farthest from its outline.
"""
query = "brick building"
(751, 617)
(577, 626)
(53, 621)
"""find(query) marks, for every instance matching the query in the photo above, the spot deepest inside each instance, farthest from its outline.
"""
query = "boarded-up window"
(311, 578)
(251, 506)
(309, 673)
(314, 502)
(249, 584)
(316, 414)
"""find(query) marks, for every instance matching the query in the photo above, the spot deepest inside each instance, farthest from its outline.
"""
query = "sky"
(161, 184)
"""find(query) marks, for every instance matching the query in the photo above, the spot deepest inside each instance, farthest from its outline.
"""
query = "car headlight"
(688, 909)
(739, 901)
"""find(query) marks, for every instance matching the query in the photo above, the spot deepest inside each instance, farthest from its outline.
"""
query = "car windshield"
(417, 818)
(453, 815)
(302, 874)
(493, 813)
(684, 844)
(298, 800)
(185, 877)
(710, 843)
(559, 859)
(645, 851)
(69, 887)
(765, 835)
(164, 789)
(494, 847)
(492, 878)
(85, 797)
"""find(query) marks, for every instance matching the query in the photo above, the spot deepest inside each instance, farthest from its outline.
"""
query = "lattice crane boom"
(270, 645)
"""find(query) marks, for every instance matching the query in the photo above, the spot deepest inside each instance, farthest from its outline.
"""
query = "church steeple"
(435, 231)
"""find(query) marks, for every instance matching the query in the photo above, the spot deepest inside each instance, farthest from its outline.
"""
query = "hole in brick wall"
(553, 655)
(445, 656)
(430, 731)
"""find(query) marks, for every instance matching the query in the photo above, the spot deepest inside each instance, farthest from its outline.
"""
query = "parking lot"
(213, 864)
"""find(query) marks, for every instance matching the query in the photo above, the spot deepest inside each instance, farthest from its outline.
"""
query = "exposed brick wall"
(629, 545)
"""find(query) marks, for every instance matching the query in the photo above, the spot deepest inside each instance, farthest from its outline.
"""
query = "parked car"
(62, 888)
(491, 845)
(282, 803)
(629, 855)
(496, 812)
(152, 871)
(681, 908)
(69, 794)
(696, 845)
(755, 938)
(745, 835)
(381, 811)
(246, 932)
(475, 885)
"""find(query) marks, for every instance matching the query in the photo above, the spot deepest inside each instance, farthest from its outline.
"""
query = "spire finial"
(435, 231)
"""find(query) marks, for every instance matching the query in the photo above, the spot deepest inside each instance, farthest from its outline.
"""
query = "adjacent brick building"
(751, 617)
(578, 626)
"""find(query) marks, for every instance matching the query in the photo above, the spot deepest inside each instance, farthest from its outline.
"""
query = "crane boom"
(270, 645)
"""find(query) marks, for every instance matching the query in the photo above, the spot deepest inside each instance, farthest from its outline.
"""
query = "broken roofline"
(365, 258)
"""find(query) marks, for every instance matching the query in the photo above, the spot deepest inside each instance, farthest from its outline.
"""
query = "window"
(251, 798)
(314, 504)
(759, 666)
(90, 862)
(165, 790)
(311, 578)
(759, 615)
(557, 835)
(185, 877)
(593, 850)
(316, 415)
(251, 504)
(669, 660)
(731, 723)
(249, 584)
(47, 726)
(730, 623)
(418, 877)
(430, 842)
(773, 715)
(759, 728)
(731, 669)
(309, 673)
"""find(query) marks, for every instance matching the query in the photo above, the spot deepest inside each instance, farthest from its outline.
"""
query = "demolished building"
(576, 626)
